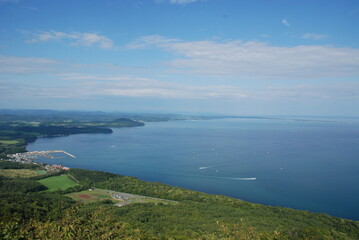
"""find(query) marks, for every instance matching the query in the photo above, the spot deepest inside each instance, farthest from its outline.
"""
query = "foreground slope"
(28, 211)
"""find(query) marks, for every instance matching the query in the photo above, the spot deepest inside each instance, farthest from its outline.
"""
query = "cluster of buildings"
(120, 196)
(55, 168)
(25, 158)
(28, 158)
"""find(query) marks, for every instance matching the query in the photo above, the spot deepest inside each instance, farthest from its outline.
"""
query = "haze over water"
(309, 165)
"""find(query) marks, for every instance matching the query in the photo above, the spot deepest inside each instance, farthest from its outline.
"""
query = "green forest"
(29, 211)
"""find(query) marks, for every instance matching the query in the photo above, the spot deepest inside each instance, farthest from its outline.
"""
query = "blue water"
(304, 165)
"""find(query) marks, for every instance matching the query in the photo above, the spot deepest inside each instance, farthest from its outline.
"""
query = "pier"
(28, 157)
(47, 153)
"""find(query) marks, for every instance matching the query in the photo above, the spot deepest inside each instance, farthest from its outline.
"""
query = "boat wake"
(202, 168)
(242, 179)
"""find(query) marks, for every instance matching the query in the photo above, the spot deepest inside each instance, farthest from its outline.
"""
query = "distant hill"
(125, 122)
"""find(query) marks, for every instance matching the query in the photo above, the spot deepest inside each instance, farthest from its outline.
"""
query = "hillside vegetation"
(30, 212)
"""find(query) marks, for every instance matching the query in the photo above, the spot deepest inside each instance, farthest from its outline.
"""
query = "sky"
(236, 57)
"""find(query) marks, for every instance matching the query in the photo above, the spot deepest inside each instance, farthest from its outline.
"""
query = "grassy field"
(88, 196)
(97, 194)
(24, 173)
(9, 141)
(61, 182)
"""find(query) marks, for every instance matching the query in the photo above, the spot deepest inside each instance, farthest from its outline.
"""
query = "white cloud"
(180, 2)
(285, 22)
(73, 38)
(314, 36)
(183, 1)
(151, 40)
(80, 86)
(144, 87)
(25, 65)
(256, 59)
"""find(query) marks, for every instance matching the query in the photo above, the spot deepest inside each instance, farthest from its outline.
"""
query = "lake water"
(307, 165)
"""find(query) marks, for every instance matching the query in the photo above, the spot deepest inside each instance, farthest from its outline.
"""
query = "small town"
(29, 157)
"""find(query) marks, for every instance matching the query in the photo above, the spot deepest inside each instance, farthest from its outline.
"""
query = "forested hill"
(16, 134)
(45, 206)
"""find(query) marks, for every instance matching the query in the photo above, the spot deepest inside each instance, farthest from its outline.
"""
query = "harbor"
(29, 157)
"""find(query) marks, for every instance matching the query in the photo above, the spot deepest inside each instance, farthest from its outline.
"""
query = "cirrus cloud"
(105, 85)
(285, 22)
(255, 59)
(26, 65)
(73, 38)
(180, 2)
(314, 36)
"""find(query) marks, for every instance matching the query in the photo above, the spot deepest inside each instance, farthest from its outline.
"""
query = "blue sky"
(243, 57)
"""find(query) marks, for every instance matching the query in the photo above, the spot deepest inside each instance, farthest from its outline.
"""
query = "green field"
(23, 173)
(61, 182)
(88, 196)
(9, 141)
(95, 195)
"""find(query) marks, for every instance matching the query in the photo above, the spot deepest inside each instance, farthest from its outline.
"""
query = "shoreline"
(245, 179)
(237, 197)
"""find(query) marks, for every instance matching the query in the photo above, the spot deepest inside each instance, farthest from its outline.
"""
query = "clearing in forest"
(9, 142)
(22, 173)
(61, 182)
(119, 198)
